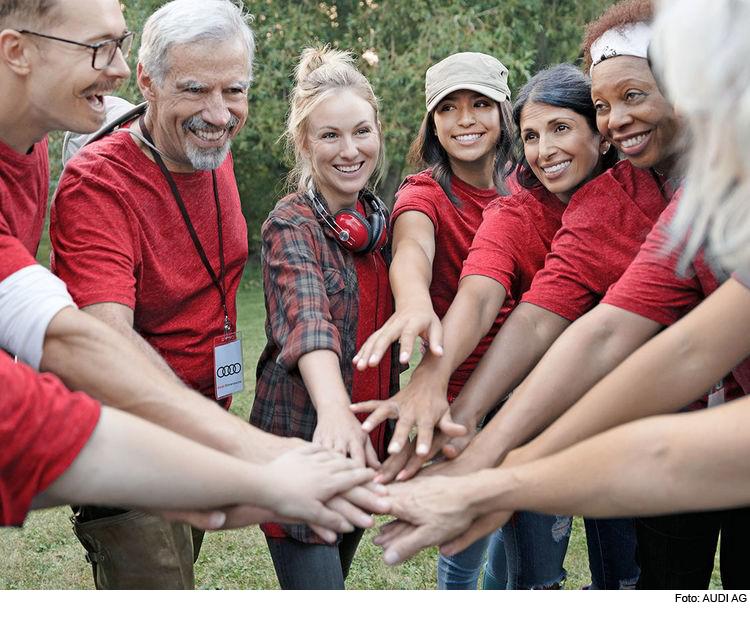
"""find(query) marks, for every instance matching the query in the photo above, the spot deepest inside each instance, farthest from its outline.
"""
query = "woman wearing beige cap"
(674, 551)
(465, 141)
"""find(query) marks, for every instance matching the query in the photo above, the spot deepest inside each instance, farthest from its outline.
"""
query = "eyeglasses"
(103, 52)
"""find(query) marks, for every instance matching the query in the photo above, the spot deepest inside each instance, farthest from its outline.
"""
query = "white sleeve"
(29, 299)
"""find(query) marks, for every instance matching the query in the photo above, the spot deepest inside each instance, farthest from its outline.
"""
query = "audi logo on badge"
(228, 370)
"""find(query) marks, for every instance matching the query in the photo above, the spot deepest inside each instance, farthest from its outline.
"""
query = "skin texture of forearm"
(468, 319)
(691, 461)
(521, 342)
(322, 376)
(688, 358)
(411, 268)
(120, 318)
(591, 347)
(89, 356)
(128, 462)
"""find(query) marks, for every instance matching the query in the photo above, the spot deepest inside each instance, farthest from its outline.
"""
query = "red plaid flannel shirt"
(312, 294)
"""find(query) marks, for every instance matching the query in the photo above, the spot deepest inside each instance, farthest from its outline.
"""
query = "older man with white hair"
(148, 234)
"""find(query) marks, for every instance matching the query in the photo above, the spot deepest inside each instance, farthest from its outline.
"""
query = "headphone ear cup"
(357, 227)
(378, 231)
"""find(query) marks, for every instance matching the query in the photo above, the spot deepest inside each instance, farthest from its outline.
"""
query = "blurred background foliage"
(395, 41)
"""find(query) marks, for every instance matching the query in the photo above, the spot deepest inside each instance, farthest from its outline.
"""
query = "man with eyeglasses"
(58, 58)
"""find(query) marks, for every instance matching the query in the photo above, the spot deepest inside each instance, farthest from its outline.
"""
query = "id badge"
(716, 394)
(229, 374)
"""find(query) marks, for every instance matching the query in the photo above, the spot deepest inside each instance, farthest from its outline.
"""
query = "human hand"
(421, 404)
(403, 326)
(430, 511)
(341, 432)
(299, 485)
(480, 527)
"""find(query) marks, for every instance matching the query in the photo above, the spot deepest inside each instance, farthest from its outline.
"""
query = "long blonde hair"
(710, 85)
(322, 72)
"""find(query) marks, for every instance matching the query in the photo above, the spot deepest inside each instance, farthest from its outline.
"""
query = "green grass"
(45, 554)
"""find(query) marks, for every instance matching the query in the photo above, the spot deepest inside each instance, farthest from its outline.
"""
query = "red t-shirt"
(118, 236)
(24, 184)
(603, 226)
(651, 287)
(513, 240)
(454, 232)
(43, 427)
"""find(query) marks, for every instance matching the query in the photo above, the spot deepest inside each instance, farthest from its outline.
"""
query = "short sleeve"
(493, 251)
(419, 193)
(95, 244)
(29, 299)
(43, 428)
(651, 287)
(296, 290)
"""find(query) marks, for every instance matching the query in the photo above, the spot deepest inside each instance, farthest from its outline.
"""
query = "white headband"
(627, 40)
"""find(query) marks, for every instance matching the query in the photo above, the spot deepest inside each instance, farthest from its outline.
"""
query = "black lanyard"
(220, 285)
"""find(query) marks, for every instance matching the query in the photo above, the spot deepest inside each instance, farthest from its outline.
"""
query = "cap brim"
(492, 93)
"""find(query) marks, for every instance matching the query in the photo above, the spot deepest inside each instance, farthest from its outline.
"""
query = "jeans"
(529, 553)
(535, 546)
(612, 547)
(676, 552)
(461, 571)
(311, 566)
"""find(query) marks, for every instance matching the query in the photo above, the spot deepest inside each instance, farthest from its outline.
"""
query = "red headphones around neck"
(353, 231)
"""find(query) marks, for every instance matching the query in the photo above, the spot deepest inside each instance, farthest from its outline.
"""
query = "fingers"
(425, 429)
(400, 434)
(380, 411)
(371, 498)
(449, 427)
(371, 457)
(205, 520)
(481, 527)
(392, 466)
(407, 544)
(372, 351)
(391, 531)
(356, 450)
(455, 446)
(412, 466)
(350, 512)
(329, 536)
(435, 337)
(347, 479)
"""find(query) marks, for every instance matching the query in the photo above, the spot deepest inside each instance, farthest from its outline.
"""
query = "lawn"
(44, 554)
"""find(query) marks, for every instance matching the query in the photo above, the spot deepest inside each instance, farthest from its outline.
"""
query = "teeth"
(634, 141)
(468, 138)
(209, 136)
(348, 168)
(556, 168)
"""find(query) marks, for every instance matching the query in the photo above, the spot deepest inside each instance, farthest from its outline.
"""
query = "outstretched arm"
(89, 356)
(424, 401)
(591, 347)
(129, 462)
(410, 275)
(665, 464)
(688, 357)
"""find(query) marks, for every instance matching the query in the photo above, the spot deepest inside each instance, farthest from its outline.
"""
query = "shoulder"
(291, 212)
(111, 156)
(630, 178)
(423, 182)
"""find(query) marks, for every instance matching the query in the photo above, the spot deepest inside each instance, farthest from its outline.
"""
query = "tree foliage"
(395, 42)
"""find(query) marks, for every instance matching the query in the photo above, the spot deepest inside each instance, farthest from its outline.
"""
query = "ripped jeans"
(528, 553)
(532, 549)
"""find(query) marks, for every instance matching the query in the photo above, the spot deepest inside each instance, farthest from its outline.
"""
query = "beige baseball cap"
(466, 71)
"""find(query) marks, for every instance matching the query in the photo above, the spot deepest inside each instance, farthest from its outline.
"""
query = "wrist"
(493, 490)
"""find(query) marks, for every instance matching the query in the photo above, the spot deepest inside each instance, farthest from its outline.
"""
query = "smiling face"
(560, 147)
(633, 114)
(343, 143)
(201, 104)
(66, 93)
(468, 127)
